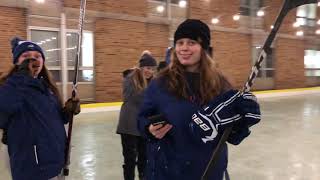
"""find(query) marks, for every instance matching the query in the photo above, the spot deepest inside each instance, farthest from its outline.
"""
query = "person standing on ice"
(197, 103)
(32, 115)
(133, 145)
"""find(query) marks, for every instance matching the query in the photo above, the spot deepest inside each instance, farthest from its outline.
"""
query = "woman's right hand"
(159, 131)
(28, 67)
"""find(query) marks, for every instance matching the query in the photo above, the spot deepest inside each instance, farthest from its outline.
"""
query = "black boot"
(141, 177)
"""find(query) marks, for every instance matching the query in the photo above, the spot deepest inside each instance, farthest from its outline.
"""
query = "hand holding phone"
(159, 126)
(158, 119)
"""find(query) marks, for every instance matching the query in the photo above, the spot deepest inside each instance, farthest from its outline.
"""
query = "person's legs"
(141, 145)
(129, 152)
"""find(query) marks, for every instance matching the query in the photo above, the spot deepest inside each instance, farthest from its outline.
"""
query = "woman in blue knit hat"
(196, 103)
(133, 145)
(32, 115)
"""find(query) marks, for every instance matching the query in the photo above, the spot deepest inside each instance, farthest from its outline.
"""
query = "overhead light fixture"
(258, 47)
(68, 34)
(318, 31)
(182, 4)
(260, 13)
(236, 17)
(318, 22)
(214, 20)
(48, 40)
(299, 33)
(271, 27)
(40, 1)
(54, 38)
(318, 3)
(160, 9)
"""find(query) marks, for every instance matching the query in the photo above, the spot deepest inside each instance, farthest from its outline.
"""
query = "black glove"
(230, 108)
(23, 68)
(248, 107)
(28, 67)
(72, 106)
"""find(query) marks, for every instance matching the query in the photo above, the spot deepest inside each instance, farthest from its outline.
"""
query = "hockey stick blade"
(287, 6)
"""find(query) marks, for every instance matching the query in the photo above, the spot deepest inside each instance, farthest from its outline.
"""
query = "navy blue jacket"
(175, 156)
(34, 121)
(181, 154)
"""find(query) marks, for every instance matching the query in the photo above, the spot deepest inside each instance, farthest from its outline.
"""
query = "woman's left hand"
(159, 131)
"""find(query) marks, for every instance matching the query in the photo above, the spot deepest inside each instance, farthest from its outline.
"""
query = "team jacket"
(182, 153)
(34, 122)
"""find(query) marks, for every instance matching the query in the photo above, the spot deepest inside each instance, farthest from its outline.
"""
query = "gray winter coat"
(129, 109)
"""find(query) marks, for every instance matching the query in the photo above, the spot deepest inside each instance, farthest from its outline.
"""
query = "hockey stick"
(287, 6)
(74, 86)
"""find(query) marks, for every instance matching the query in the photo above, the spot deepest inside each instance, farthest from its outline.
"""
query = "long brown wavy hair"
(212, 81)
(44, 73)
(139, 81)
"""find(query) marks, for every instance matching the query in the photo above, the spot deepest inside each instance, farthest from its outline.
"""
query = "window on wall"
(250, 7)
(307, 14)
(49, 41)
(86, 61)
(267, 70)
(312, 63)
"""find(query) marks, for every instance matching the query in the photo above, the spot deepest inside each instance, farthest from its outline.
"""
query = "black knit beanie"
(194, 29)
(147, 60)
(20, 46)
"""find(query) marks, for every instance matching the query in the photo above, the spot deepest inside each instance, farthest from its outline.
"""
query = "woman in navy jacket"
(32, 115)
(197, 102)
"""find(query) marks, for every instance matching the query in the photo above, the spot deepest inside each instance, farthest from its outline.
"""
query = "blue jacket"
(181, 154)
(34, 122)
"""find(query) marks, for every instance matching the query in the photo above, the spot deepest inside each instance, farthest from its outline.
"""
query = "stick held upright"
(74, 86)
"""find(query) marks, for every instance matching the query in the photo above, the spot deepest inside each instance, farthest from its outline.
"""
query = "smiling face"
(188, 52)
(36, 66)
(148, 71)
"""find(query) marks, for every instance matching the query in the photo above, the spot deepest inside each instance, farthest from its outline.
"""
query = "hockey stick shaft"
(74, 86)
(287, 6)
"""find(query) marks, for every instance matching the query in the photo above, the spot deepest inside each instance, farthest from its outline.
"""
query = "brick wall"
(206, 10)
(13, 23)
(118, 46)
(232, 51)
(119, 43)
(130, 7)
(272, 11)
(289, 64)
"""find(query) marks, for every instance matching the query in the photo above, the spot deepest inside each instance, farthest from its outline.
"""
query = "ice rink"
(283, 146)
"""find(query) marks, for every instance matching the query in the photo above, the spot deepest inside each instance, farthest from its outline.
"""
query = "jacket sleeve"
(148, 108)
(7, 105)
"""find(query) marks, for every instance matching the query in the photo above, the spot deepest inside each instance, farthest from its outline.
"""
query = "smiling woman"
(191, 82)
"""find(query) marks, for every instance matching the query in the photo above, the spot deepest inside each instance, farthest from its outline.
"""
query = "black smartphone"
(158, 119)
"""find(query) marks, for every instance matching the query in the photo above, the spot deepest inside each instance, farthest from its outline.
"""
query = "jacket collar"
(23, 81)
